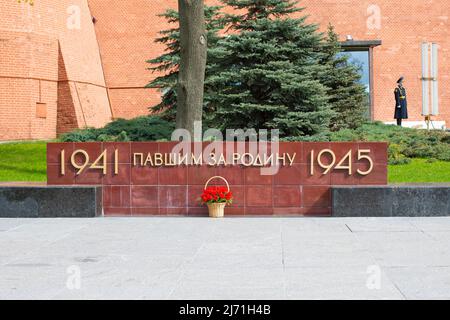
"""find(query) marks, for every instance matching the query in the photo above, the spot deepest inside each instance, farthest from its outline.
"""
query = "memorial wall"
(167, 178)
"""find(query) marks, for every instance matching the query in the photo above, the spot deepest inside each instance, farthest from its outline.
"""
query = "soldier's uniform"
(401, 104)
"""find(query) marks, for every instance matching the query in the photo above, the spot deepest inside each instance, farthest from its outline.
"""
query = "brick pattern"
(404, 26)
(138, 191)
(129, 103)
(90, 75)
(67, 116)
(126, 31)
(43, 60)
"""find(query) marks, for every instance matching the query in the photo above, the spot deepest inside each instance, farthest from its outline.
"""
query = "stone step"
(41, 201)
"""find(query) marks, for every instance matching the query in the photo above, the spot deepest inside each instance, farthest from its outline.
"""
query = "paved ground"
(178, 258)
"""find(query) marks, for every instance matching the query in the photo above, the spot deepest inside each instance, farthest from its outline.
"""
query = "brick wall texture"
(49, 54)
(89, 73)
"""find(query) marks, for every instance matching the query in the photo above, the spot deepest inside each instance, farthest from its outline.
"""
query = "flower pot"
(216, 210)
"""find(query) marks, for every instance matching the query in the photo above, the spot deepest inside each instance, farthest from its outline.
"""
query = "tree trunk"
(191, 76)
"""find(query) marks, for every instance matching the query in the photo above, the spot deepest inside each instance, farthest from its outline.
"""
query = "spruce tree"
(167, 64)
(266, 76)
(347, 95)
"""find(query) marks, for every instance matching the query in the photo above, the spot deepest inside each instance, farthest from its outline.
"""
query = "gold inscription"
(101, 163)
(363, 155)
(346, 163)
(85, 160)
(246, 159)
(326, 160)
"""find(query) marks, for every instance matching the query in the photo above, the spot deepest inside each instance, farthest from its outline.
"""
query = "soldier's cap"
(401, 79)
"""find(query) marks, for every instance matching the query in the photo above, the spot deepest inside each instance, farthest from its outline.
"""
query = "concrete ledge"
(391, 201)
(50, 202)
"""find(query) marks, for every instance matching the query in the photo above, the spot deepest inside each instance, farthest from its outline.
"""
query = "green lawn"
(419, 170)
(26, 161)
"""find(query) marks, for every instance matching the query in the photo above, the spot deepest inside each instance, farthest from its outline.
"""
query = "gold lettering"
(221, 160)
(213, 161)
(363, 155)
(135, 155)
(236, 158)
(76, 165)
(269, 160)
(116, 161)
(246, 159)
(327, 167)
(148, 160)
(158, 159)
(291, 159)
(250, 157)
(197, 161)
(283, 157)
(340, 165)
(183, 160)
(258, 161)
(63, 162)
(102, 159)
(170, 159)
(173, 159)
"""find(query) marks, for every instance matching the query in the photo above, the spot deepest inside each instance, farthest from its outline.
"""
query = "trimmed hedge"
(404, 143)
(146, 128)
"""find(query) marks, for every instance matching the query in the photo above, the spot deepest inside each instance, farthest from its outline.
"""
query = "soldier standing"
(401, 105)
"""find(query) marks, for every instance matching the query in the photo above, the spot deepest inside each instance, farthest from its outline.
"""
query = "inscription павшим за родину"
(245, 159)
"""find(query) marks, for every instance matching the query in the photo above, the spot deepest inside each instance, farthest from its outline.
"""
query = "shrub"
(404, 143)
(442, 152)
(79, 135)
(396, 155)
(146, 128)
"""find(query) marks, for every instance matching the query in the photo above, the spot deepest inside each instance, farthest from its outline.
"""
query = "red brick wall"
(126, 29)
(404, 26)
(44, 59)
(27, 76)
(87, 76)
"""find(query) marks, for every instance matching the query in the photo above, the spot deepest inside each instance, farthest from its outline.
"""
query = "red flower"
(216, 194)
